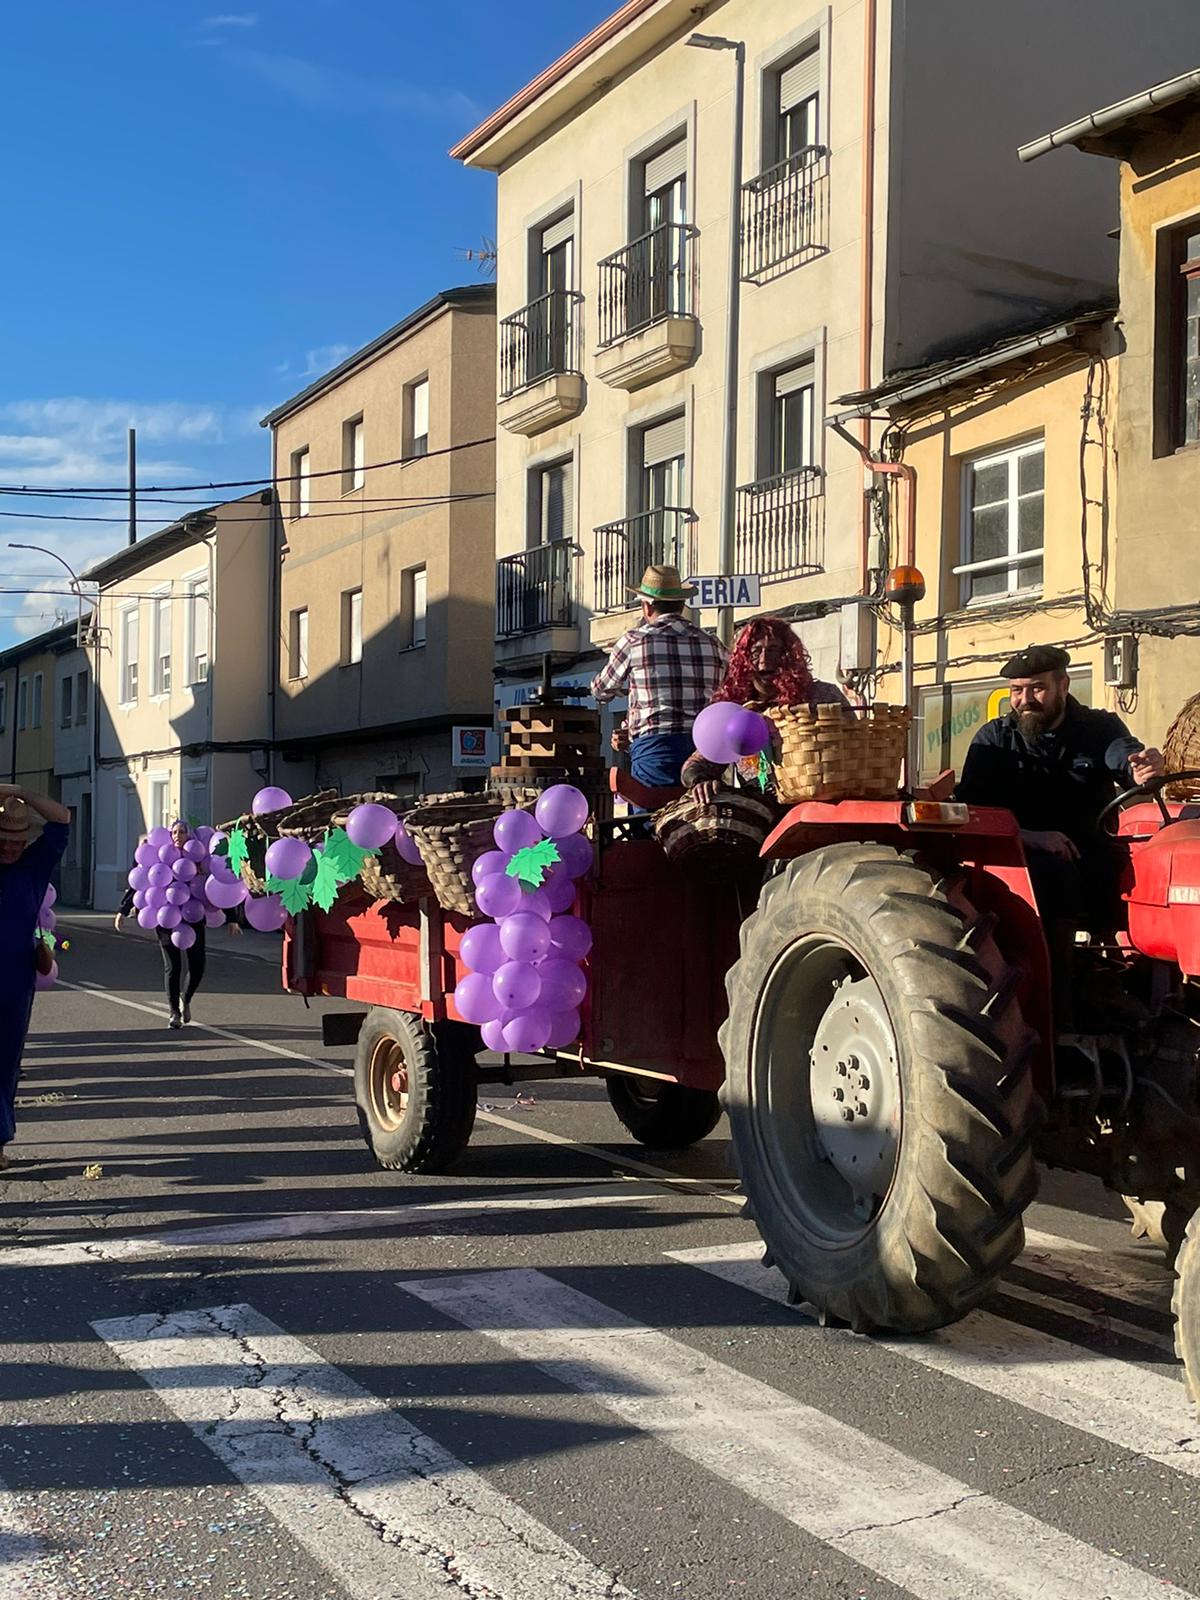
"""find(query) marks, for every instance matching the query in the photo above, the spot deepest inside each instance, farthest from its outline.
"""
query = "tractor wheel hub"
(854, 1081)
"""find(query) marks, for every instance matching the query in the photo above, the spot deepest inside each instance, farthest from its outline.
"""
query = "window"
(417, 419)
(196, 804)
(301, 482)
(354, 460)
(788, 440)
(1004, 521)
(551, 319)
(351, 627)
(160, 632)
(160, 802)
(663, 466)
(551, 503)
(298, 644)
(35, 715)
(129, 656)
(67, 703)
(198, 625)
(1184, 355)
(658, 271)
(412, 606)
(83, 686)
(22, 704)
(794, 128)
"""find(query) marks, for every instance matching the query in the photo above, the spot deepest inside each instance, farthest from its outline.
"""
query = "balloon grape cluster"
(178, 887)
(46, 924)
(524, 984)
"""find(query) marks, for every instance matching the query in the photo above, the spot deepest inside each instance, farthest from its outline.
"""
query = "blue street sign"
(742, 589)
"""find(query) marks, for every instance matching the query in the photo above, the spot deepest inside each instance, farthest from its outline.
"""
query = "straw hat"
(14, 818)
(663, 583)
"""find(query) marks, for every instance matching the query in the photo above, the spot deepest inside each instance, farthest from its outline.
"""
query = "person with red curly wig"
(769, 666)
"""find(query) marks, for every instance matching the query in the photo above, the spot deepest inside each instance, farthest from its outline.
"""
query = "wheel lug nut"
(860, 1108)
(864, 1082)
(839, 1094)
(843, 1071)
(847, 1114)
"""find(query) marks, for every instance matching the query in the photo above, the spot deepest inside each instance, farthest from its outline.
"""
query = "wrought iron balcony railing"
(535, 589)
(540, 340)
(662, 537)
(781, 525)
(652, 278)
(785, 214)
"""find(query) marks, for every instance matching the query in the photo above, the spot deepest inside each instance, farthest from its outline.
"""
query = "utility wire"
(429, 503)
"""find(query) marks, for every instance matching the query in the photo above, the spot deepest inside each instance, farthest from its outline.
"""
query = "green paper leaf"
(237, 851)
(764, 771)
(533, 863)
(325, 884)
(296, 897)
(46, 937)
(344, 855)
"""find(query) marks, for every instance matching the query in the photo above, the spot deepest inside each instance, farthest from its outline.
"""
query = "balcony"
(540, 380)
(535, 603)
(662, 537)
(781, 525)
(647, 308)
(785, 215)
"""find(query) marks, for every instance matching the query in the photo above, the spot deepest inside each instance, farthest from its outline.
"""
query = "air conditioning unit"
(1120, 661)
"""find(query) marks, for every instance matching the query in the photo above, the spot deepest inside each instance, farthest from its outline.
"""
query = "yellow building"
(28, 691)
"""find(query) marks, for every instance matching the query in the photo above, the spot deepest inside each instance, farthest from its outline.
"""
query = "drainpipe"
(866, 265)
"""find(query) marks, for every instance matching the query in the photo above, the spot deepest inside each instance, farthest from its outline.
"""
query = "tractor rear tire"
(665, 1116)
(879, 1090)
(415, 1089)
(1185, 1304)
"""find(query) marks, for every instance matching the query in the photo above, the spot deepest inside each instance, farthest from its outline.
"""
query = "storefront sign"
(949, 716)
(474, 747)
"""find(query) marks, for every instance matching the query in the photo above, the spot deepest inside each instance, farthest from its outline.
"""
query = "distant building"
(27, 691)
(185, 621)
(386, 469)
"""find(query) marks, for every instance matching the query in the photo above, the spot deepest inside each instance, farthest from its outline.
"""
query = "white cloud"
(324, 358)
(235, 19)
(316, 86)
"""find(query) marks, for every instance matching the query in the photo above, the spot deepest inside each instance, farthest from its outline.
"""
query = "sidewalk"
(251, 946)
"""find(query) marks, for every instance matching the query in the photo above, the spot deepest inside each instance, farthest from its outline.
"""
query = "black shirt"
(1060, 780)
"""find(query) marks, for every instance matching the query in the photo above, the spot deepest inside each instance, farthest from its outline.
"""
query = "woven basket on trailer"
(1181, 750)
(309, 819)
(254, 869)
(828, 752)
(714, 839)
(451, 835)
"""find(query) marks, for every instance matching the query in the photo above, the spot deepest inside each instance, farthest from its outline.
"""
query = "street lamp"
(75, 589)
(725, 553)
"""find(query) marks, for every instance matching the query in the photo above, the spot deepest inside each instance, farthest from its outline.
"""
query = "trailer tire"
(1185, 1304)
(866, 987)
(415, 1090)
(665, 1116)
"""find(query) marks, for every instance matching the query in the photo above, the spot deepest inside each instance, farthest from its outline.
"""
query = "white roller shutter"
(664, 441)
(801, 80)
(556, 233)
(558, 491)
(799, 377)
(666, 166)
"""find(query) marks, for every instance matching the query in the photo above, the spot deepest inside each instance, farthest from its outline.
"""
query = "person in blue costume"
(25, 870)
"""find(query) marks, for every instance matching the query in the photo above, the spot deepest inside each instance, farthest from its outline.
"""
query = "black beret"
(1035, 659)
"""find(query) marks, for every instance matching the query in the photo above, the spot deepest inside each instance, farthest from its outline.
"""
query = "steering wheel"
(1152, 789)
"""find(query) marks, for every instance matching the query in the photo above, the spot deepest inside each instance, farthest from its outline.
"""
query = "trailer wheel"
(666, 1116)
(879, 1091)
(1185, 1303)
(415, 1089)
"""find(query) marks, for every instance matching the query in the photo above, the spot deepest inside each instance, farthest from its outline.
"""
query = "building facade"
(28, 686)
(74, 723)
(385, 553)
(184, 623)
(881, 222)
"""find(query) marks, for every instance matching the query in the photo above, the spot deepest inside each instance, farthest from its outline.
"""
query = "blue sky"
(204, 208)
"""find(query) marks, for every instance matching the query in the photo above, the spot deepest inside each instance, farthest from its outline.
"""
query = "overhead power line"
(426, 503)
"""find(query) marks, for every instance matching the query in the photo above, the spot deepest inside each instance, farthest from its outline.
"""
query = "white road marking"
(1142, 1411)
(26, 1567)
(316, 1224)
(382, 1506)
(918, 1528)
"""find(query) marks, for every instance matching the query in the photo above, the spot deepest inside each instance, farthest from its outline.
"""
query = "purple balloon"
(158, 837)
(146, 854)
(498, 896)
(493, 1034)
(516, 985)
(287, 858)
(50, 897)
(168, 917)
(516, 830)
(571, 937)
(270, 799)
(184, 869)
(202, 836)
(488, 864)
(536, 903)
(139, 899)
(214, 918)
(564, 1029)
(196, 849)
(748, 732)
(168, 854)
(139, 878)
(47, 980)
(475, 1000)
(47, 920)
(481, 948)
(575, 855)
(156, 898)
(148, 918)
(529, 1031)
(371, 826)
(563, 985)
(219, 867)
(525, 937)
(561, 811)
(223, 893)
(178, 894)
(158, 876)
(710, 733)
(559, 893)
(183, 937)
(194, 911)
(265, 913)
(407, 847)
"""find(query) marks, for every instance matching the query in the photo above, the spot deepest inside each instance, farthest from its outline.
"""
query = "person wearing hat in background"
(1055, 764)
(670, 669)
(25, 871)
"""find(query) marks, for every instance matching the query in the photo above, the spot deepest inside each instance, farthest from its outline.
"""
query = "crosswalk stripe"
(1120, 1401)
(905, 1521)
(381, 1505)
(25, 1564)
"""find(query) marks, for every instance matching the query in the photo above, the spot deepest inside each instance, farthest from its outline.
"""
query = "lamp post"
(725, 551)
(70, 571)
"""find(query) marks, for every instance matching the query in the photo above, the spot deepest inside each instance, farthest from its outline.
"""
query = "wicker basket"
(1181, 750)
(714, 839)
(309, 819)
(831, 753)
(451, 834)
(387, 876)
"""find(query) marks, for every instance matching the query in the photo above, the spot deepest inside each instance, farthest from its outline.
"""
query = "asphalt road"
(241, 1361)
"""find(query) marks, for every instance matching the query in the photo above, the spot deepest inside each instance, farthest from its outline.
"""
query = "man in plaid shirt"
(670, 669)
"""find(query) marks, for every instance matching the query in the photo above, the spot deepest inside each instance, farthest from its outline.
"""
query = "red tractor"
(886, 1053)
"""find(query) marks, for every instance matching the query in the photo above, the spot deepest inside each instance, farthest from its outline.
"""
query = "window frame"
(416, 446)
(83, 694)
(408, 606)
(129, 684)
(536, 525)
(37, 702)
(155, 781)
(197, 586)
(66, 701)
(301, 482)
(298, 649)
(354, 446)
(22, 704)
(351, 613)
(1015, 560)
(160, 609)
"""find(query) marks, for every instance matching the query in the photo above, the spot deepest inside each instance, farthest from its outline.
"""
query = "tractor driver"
(1055, 764)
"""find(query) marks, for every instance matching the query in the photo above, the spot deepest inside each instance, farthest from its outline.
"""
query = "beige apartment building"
(878, 221)
(385, 559)
(182, 661)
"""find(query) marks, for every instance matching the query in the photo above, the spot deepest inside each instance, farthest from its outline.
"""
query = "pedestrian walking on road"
(24, 878)
(179, 994)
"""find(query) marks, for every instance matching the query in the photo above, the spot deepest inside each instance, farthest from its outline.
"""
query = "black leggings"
(173, 960)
